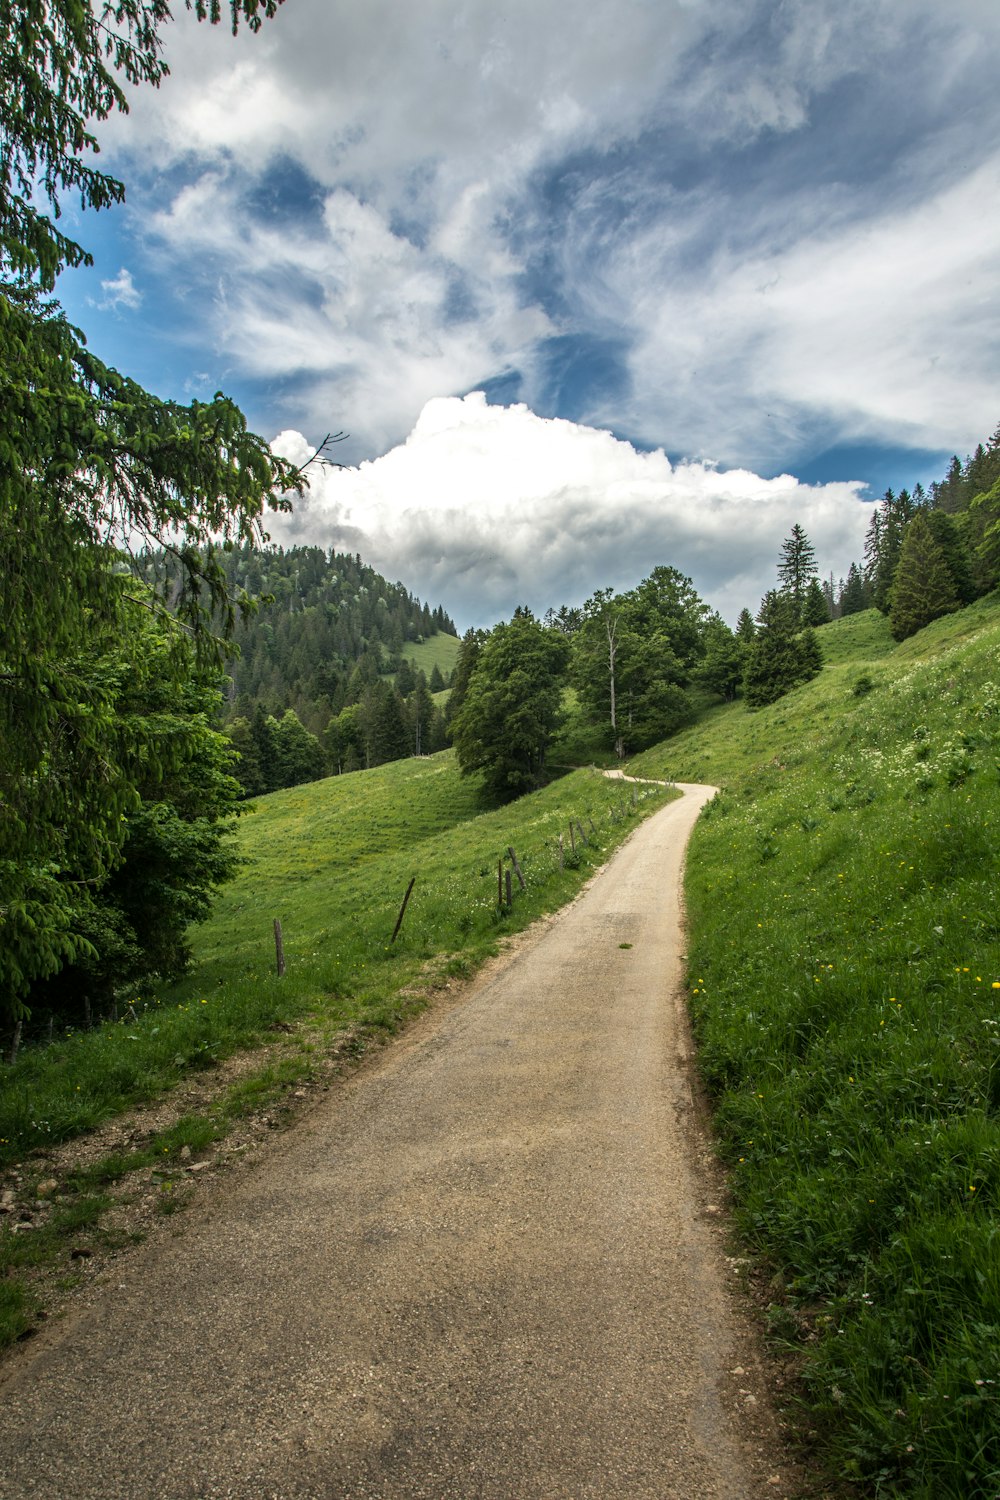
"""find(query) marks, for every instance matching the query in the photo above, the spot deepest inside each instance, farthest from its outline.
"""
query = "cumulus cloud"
(486, 507)
(120, 291)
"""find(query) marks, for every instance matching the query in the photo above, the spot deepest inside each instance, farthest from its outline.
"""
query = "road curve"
(481, 1268)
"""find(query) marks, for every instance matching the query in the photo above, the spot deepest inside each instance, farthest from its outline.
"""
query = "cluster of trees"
(115, 796)
(319, 681)
(929, 554)
(631, 658)
(768, 654)
(385, 719)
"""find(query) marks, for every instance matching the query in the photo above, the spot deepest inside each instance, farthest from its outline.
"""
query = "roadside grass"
(845, 990)
(332, 862)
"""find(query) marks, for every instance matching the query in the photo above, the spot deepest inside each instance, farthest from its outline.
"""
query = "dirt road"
(483, 1267)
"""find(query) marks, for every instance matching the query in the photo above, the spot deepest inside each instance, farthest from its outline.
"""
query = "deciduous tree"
(512, 706)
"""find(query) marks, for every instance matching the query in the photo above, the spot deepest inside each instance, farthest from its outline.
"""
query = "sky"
(591, 287)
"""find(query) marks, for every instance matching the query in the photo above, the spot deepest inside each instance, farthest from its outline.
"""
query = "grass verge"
(845, 990)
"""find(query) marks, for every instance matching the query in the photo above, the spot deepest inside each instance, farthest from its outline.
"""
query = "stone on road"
(480, 1268)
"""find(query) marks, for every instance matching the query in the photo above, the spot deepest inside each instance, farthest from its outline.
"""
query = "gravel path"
(483, 1267)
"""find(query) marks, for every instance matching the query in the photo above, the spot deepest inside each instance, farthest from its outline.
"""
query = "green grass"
(845, 989)
(436, 651)
(844, 949)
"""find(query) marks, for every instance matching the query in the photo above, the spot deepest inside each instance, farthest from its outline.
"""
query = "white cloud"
(486, 507)
(120, 291)
(885, 329)
(753, 320)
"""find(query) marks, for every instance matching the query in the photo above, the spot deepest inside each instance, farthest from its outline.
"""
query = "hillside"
(844, 982)
(331, 861)
(316, 616)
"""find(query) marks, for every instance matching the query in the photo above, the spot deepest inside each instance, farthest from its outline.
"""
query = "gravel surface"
(487, 1265)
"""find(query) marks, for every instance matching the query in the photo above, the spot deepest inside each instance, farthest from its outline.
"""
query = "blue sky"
(750, 239)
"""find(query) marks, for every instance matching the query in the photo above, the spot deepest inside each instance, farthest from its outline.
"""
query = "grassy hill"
(439, 650)
(845, 985)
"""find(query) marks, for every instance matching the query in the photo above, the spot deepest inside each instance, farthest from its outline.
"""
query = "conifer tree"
(746, 630)
(815, 609)
(854, 597)
(923, 587)
(89, 458)
(796, 566)
(781, 655)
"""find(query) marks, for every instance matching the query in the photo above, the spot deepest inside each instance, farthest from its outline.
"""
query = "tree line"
(634, 660)
(928, 553)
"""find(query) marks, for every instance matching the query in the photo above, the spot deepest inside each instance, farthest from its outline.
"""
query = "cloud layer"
(740, 230)
(487, 507)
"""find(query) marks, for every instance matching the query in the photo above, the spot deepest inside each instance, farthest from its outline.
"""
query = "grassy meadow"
(844, 985)
(845, 988)
(436, 651)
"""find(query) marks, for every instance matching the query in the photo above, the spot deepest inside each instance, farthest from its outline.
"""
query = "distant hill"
(319, 614)
(334, 668)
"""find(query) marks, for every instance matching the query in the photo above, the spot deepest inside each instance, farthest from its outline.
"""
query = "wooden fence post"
(402, 909)
(517, 869)
(510, 895)
(572, 840)
(279, 948)
(579, 829)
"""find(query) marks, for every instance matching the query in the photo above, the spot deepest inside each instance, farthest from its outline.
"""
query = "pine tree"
(781, 656)
(815, 609)
(746, 630)
(854, 598)
(89, 458)
(923, 588)
(796, 566)
(950, 537)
